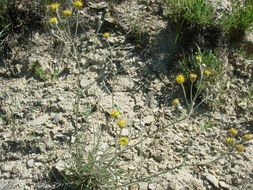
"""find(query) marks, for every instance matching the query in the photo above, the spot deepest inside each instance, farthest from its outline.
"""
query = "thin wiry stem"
(222, 155)
(184, 94)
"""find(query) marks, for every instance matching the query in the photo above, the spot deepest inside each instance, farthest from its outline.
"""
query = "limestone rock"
(212, 179)
(39, 121)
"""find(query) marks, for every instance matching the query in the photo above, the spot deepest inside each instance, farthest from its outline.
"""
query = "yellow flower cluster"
(123, 141)
(52, 20)
(115, 113)
(233, 131)
(199, 58)
(175, 101)
(207, 72)
(78, 3)
(180, 79)
(247, 137)
(106, 35)
(240, 146)
(121, 122)
(230, 140)
(54, 6)
(67, 12)
(193, 77)
(107, 14)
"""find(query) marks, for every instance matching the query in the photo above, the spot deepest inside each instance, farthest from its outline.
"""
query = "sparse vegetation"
(4, 21)
(193, 12)
(238, 19)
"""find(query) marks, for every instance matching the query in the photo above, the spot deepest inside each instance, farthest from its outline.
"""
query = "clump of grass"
(3, 14)
(191, 11)
(4, 20)
(194, 22)
(238, 19)
(44, 75)
(197, 22)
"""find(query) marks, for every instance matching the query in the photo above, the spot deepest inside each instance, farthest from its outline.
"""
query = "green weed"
(191, 11)
(43, 75)
(238, 20)
(4, 20)
(207, 60)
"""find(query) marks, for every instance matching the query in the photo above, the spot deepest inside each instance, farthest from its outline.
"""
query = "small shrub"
(208, 68)
(238, 20)
(192, 11)
(44, 75)
(194, 23)
(208, 60)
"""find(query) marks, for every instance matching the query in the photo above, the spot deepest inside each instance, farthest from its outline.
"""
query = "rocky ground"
(37, 118)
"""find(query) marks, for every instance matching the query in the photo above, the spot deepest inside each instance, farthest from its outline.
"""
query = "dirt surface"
(37, 118)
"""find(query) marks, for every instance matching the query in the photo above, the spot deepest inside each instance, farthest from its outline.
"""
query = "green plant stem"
(154, 133)
(200, 81)
(77, 17)
(222, 155)
(185, 97)
(177, 36)
(191, 92)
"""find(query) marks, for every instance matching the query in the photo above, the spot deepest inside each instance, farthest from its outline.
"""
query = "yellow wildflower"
(230, 140)
(121, 123)
(180, 79)
(247, 137)
(115, 113)
(123, 141)
(175, 101)
(207, 72)
(54, 6)
(106, 35)
(53, 20)
(67, 12)
(233, 131)
(199, 58)
(193, 77)
(107, 14)
(77, 3)
(240, 148)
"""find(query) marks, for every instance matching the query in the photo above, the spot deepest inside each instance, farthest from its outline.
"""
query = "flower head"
(107, 14)
(115, 113)
(175, 101)
(54, 6)
(230, 140)
(77, 3)
(247, 137)
(121, 123)
(240, 148)
(193, 77)
(123, 141)
(52, 20)
(180, 79)
(67, 12)
(199, 58)
(106, 35)
(233, 131)
(207, 72)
